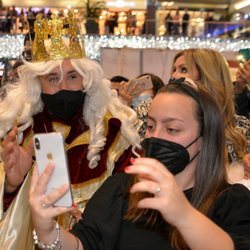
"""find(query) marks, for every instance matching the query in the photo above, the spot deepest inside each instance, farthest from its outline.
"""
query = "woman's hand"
(126, 92)
(168, 197)
(243, 73)
(77, 214)
(17, 160)
(43, 211)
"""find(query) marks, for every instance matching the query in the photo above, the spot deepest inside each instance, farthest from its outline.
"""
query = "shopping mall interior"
(125, 124)
(139, 28)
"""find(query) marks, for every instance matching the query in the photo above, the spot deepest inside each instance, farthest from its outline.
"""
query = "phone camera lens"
(37, 143)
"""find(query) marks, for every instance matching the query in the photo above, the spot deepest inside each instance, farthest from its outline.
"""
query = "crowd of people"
(176, 21)
(203, 24)
(149, 169)
(13, 21)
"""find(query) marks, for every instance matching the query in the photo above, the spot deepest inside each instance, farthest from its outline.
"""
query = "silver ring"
(158, 189)
(44, 204)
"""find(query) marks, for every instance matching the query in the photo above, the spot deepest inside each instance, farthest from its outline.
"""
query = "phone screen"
(244, 54)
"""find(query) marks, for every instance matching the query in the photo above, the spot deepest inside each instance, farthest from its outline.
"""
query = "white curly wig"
(23, 100)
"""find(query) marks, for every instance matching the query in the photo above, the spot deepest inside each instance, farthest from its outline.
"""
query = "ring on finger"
(157, 190)
(44, 205)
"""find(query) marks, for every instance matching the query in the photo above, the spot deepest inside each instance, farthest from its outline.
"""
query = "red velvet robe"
(115, 155)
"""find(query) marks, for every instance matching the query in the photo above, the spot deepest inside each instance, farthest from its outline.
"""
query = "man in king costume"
(60, 90)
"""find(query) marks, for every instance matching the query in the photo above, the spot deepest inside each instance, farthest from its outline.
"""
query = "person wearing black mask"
(161, 201)
(60, 90)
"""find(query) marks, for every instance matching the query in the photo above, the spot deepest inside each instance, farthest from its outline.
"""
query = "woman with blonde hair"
(211, 69)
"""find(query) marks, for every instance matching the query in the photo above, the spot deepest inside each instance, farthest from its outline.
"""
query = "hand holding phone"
(49, 147)
(141, 84)
(244, 55)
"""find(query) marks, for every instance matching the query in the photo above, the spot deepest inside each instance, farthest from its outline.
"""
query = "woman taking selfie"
(177, 197)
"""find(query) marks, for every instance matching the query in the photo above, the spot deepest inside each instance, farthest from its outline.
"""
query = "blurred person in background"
(211, 69)
(116, 81)
(243, 73)
(185, 23)
(242, 98)
(141, 101)
(243, 76)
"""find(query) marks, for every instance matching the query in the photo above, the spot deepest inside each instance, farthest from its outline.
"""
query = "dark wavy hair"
(119, 79)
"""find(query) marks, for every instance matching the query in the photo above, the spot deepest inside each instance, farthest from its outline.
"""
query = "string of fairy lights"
(11, 46)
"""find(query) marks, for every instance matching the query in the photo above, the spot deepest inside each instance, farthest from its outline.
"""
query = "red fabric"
(233, 63)
(77, 156)
(8, 198)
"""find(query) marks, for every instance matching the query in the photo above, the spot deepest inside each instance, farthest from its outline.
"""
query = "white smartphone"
(143, 83)
(49, 147)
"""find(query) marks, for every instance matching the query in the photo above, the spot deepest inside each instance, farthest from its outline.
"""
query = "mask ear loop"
(176, 81)
(190, 82)
(190, 145)
(194, 157)
(192, 142)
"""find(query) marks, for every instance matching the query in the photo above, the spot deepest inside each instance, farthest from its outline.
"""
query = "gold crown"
(56, 38)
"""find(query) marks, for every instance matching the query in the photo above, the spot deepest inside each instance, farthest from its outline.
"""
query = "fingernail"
(75, 205)
(127, 168)
(132, 160)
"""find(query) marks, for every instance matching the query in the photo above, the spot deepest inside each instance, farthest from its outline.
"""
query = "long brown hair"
(210, 174)
(215, 75)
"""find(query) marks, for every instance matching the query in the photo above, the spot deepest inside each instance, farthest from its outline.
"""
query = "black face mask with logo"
(64, 104)
(173, 155)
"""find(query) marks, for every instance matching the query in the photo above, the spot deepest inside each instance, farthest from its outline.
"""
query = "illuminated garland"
(11, 46)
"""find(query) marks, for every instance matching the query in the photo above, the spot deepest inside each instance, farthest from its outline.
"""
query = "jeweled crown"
(57, 38)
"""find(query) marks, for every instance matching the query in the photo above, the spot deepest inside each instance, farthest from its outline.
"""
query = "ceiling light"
(242, 4)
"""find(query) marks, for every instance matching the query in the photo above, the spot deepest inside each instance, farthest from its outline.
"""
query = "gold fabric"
(15, 224)
(82, 192)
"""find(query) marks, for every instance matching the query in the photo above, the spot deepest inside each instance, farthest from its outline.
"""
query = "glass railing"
(197, 27)
(222, 36)
(194, 28)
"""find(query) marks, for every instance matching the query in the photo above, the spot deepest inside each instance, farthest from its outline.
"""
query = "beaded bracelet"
(54, 246)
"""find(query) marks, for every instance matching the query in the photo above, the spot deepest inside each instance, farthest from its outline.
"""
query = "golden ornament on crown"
(56, 38)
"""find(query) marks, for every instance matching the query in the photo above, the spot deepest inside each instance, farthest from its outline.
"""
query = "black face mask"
(64, 104)
(173, 155)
